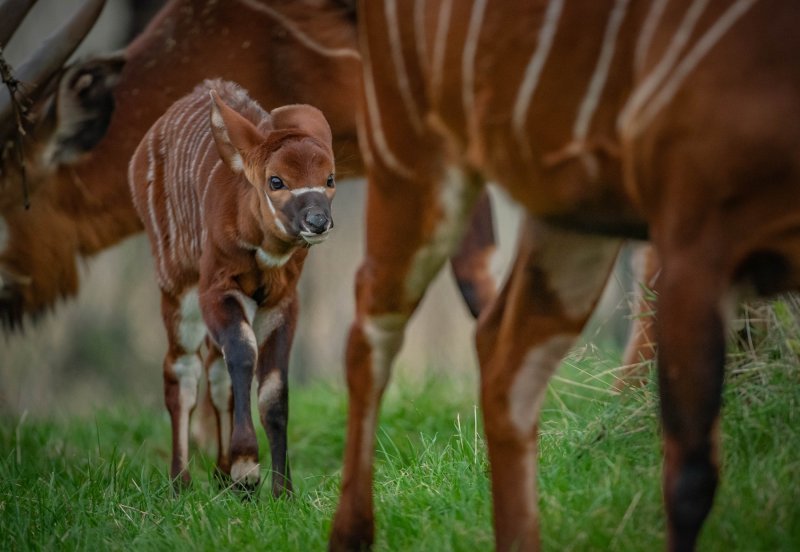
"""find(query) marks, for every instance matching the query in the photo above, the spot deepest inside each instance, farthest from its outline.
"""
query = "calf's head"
(290, 165)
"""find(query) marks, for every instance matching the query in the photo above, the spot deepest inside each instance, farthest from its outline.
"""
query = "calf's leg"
(273, 388)
(233, 335)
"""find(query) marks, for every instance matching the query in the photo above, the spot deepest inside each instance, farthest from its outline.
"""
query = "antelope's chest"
(269, 286)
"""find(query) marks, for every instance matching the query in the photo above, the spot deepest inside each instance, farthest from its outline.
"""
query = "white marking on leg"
(533, 71)
(266, 321)
(368, 435)
(396, 48)
(187, 369)
(248, 336)
(439, 48)
(577, 266)
(600, 75)
(654, 79)
(384, 334)
(646, 35)
(249, 306)
(690, 61)
(301, 37)
(192, 328)
(468, 63)
(456, 198)
(270, 391)
(219, 385)
(530, 382)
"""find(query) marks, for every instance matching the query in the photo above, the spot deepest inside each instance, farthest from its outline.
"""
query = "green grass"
(101, 483)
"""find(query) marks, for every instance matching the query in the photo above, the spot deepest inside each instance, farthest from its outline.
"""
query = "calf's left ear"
(304, 117)
(232, 133)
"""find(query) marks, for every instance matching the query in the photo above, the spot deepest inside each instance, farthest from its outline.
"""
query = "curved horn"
(52, 54)
(12, 12)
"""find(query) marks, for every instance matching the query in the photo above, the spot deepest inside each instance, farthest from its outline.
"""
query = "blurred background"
(106, 346)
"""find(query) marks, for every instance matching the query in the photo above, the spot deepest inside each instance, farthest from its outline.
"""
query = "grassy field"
(100, 482)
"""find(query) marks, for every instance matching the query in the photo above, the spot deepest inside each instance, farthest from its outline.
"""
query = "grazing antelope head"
(290, 166)
(51, 115)
(67, 119)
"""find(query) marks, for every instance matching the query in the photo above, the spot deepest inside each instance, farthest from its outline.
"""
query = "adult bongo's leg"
(554, 284)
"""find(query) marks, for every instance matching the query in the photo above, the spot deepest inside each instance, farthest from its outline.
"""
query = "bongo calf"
(231, 198)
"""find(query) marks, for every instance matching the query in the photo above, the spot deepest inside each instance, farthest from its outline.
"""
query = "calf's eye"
(275, 183)
(331, 182)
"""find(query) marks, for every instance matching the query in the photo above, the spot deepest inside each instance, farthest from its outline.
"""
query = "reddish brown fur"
(222, 229)
(710, 174)
(84, 207)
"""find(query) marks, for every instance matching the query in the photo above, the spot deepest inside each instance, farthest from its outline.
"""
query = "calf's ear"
(232, 133)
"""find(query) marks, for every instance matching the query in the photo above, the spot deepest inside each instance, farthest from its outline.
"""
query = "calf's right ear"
(232, 133)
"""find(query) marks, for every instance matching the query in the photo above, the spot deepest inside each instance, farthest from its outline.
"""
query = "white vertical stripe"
(301, 37)
(700, 49)
(653, 81)
(421, 42)
(529, 383)
(439, 47)
(276, 219)
(183, 183)
(646, 34)
(396, 47)
(166, 281)
(600, 75)
(151, 159)
(468, 62)
(363, 141)
(533, 71)
(373, 109)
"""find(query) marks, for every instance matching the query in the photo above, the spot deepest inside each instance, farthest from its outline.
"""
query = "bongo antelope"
(610, 119)
(231, 197)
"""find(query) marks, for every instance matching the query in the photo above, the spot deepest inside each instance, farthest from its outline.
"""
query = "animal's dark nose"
(316, 221)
